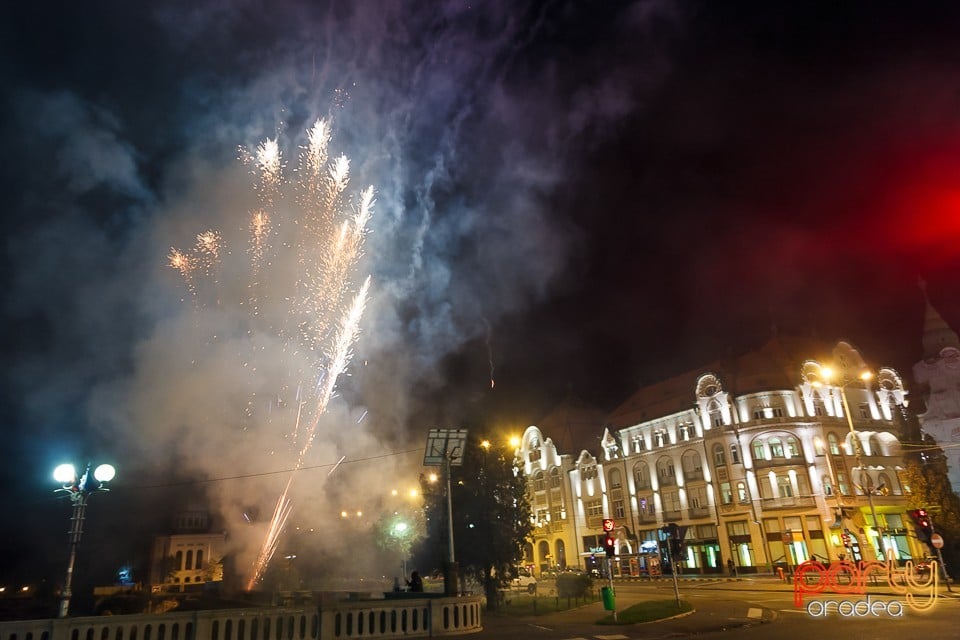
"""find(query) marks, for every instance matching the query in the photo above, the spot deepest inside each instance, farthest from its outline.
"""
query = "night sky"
(573, 198)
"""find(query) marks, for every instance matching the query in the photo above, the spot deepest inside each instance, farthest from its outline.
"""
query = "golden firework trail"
(321, 232)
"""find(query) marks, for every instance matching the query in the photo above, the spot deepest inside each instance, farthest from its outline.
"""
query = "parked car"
(523, 580)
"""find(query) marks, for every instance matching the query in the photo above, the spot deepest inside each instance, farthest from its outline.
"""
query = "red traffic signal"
(610, 545)
(922, 524)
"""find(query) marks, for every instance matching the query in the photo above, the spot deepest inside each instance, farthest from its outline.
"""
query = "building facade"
(766, 460)
(938, 375)
(189, 557)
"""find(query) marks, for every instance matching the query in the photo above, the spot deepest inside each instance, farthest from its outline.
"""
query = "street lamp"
(858, 448)
(79, 488)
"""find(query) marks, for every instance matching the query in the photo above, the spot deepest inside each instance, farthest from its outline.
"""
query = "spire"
(937, 335)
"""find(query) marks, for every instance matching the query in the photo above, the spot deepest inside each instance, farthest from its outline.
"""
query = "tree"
(491, 517)
(925, 474)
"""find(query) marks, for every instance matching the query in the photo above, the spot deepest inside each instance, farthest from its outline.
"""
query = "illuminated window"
(734, 454)
(833, 445)
(784, 488)
(641, 473)
(827, 486)
(719, 458)
(554, 478)
(793, 450)
(759, 451)
(726, 493)
(742, 492)
(842, 484)
(776, 448)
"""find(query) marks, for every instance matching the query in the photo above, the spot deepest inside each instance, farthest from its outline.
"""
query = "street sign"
(937, 541)
(445, 445)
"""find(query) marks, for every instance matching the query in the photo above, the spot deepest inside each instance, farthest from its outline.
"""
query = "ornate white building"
(938, 375)
(754, 458)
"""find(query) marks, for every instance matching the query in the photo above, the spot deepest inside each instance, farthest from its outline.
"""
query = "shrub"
(574, 585)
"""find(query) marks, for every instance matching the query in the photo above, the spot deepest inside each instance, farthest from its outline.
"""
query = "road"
(740, 609)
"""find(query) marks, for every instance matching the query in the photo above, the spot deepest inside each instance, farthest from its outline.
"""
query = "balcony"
(668, 481)
(693, 474)
(699, 512)
(778, 461)
(788, 503)
(646, 517)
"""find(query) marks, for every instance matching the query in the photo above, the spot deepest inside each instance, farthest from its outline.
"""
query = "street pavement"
(724, 608)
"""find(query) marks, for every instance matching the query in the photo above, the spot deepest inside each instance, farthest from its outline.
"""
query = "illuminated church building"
(938, 376)
(752, 457)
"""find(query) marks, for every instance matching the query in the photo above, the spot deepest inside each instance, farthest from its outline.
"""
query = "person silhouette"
(415, 582)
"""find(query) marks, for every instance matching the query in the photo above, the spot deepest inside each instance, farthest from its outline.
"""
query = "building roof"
(573, 425)
(937, 334)
(775, 365)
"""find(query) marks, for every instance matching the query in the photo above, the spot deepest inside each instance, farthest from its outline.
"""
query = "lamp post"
(79, 488)
(858, 452)
(820, 444)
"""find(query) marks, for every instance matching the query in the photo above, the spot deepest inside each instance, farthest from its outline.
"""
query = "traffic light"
(609, 545)
(922, 524)
(609, 538)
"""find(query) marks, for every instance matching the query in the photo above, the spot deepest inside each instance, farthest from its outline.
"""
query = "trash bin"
(609, 600)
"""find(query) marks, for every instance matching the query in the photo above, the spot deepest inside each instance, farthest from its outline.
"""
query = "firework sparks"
(322, 235)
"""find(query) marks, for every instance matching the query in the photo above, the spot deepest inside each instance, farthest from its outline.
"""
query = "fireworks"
(302, 261)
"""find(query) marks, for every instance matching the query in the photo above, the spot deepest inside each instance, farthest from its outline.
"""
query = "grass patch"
(515, 604)
(649, 611)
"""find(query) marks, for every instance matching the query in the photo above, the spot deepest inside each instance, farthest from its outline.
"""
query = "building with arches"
(938, 376)
(753, 457)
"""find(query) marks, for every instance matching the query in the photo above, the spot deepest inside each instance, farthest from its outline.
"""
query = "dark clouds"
(588, 194)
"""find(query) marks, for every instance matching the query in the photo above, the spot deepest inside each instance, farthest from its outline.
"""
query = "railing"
(699, 512)
(786, 503)
(379, 618)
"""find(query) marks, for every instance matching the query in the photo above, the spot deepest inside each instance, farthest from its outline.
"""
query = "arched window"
(614, 477)
(734, 454)
(665, 471)
(539, 482)
(554, 478)
(792, 449)
(692, 466)
(776, 448)
(560, 555)
(784, 488)
(742, 492)
(641, 472)
(719, 457)
(884, 487)
(759, 451)
(832, 444)
(818, 446)
(827, 486)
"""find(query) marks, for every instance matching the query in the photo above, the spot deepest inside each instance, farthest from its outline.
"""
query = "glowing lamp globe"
(104, 473)
(64, 474)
